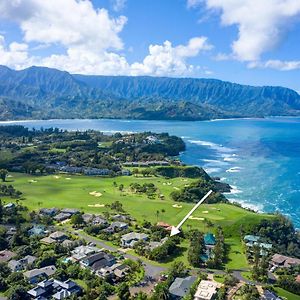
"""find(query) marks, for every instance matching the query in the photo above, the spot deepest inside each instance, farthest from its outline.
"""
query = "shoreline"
(149, 120)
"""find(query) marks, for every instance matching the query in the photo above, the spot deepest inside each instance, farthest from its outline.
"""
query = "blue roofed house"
(209, 242)
(254, 240)
(37, 230)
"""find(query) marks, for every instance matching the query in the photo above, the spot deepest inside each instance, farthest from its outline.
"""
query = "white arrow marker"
(175, 230)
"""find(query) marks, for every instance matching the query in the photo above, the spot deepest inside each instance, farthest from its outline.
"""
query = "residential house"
(128, 240)
(117, 271)
(181, 286)
(125, 172)
(96, 172)
(254, 240)
(164, 225)
(98, 220)
(21, 264)
(55, 237)
(37, 230)
(206, 290)
(9, 206)
(71, 211)
(62, 217)
(35, 275)
(82, 252)
(268, 295)
(209, 243)
(251, 238)
(54, 289)
(152, 245)
(6, 255)
(98, 260)
(119, 217)
(118, 226)
(282, 261)
(49, 211)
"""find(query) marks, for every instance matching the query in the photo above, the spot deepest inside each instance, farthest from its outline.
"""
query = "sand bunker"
(96, 205)
(95, 194)
(32, 181)
(196, 218)
(68, 178)
(176, 188)
(205, 211)
(56, 177)
(167, 183)
(177, 206)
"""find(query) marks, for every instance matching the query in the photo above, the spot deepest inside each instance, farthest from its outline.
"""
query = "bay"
(259, 158)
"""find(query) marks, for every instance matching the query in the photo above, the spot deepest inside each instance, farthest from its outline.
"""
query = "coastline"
(194, 155)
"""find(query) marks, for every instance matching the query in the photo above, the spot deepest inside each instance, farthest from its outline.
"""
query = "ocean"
(259, 158)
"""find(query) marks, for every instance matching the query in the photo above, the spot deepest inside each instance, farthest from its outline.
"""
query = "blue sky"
(246, 41)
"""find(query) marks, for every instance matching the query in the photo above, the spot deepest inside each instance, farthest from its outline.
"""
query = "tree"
(161, 292)
(123, 291)
(196, 248)
(3, 174)
(77, 219)
(17, 293)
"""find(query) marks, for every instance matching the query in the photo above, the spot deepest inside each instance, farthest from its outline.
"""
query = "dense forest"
(45, 93)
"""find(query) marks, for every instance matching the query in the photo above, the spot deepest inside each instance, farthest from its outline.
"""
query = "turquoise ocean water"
(259, 158)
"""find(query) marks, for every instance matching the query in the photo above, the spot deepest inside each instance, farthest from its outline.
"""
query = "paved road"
(151, 270)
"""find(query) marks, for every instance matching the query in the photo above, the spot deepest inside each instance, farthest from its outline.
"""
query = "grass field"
(74, 192)
(286, 295)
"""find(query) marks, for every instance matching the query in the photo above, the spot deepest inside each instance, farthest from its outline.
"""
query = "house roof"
(181, 286)
(62, 216)
(286, 261)
(206, 290)
(268, 295)
(49, 271)
(251, 238)
(134, 236)
(6, 255)
(119, 224)
(57, 235)
(209, 239)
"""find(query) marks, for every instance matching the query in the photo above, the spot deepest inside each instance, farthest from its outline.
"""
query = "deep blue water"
(260, 158)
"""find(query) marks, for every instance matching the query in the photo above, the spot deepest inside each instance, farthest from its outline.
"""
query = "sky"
(255, 42)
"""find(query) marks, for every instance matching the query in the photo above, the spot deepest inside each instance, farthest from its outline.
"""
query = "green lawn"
(219, 278)
(73, 192)
(286, 295)
(61, 192)
(236, 258)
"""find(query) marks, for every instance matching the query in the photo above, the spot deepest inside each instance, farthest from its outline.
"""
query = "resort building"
(206, 290)
(128, 240)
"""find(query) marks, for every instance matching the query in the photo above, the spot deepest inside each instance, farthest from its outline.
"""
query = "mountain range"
(44, 93)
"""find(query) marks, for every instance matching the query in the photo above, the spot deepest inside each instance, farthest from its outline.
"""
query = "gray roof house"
(55, 237)
(54, 289)
(62, 217)
(180, 287)
(98, 260)
(128, 240)
(21, 264)
(34, 275)
(71, 211)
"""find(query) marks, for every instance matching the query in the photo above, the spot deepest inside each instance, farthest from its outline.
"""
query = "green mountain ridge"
(39, 92)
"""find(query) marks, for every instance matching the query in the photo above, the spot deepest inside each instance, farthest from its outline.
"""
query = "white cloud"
(168, 60)
(194, 3)
(261, 23)
(15, 55)
(70, 23)
(118, 5)
(277, 65)
(90, 39)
